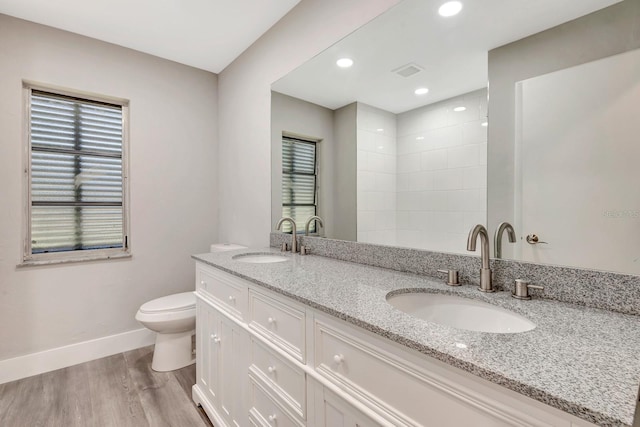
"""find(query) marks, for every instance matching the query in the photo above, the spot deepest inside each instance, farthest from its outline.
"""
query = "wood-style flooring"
(119, 391)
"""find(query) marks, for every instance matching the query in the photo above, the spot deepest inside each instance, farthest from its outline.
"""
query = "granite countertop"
(584, 361)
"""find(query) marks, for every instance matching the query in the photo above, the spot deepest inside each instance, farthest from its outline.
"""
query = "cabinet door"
(206, 352)
(202, 346)
(233, 347)
(213, 350)
(222, 364)
(332, 411)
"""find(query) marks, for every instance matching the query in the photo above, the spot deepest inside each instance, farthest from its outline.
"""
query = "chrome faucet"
(294, 242)
(309, 221)
(485, 271)
(497, 237)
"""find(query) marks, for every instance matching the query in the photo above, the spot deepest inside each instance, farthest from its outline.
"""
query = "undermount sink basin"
(461, 313)
(260, 258)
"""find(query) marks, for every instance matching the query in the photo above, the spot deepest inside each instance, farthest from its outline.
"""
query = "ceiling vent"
(408, 70)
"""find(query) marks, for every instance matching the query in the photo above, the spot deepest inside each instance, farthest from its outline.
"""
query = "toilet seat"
(171, 303)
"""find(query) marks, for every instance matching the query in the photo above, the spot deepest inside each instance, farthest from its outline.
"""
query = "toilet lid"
(175, 302)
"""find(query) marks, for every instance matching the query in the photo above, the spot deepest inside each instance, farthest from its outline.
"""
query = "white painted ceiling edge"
(205, 34)
(453, 52)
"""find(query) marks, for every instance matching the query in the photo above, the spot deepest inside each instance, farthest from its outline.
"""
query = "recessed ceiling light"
(419, 138)
(380, 147)
(380, 130)
(421, 91)
(344, 62)
(485, 124)
(450, 8)
(459, 109)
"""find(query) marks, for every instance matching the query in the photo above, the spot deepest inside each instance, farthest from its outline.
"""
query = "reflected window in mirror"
(299, 182)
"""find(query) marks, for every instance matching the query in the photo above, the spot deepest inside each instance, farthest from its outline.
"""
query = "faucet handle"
(522, 287)
(452, 277)
(533, 239)
(284, 247)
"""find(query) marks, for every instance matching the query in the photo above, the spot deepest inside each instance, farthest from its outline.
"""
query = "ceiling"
(206, 34)
(453, 52)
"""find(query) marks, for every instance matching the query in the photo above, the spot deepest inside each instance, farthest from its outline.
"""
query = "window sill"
(75, 259)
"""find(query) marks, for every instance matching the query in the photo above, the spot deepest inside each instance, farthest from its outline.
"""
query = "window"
(76, 177)
(299, 177)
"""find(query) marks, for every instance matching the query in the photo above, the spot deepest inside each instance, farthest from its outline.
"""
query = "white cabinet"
(268, 411)
(266, 360)
(332, 411)
(222, 346)
(408, 389)
(205, 375)
(227, 292)
(232, 350)
(221, 363)
(285, 380)
(279, 322)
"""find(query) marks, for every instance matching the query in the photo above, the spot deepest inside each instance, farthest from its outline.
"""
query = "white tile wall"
(377, 179)
(441, 174)
(422, 174)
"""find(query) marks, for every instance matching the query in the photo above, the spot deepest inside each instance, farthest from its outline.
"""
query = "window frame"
(316, 143)
(29, 258)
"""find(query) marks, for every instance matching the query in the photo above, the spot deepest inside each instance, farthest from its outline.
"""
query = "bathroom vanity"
(312, 341)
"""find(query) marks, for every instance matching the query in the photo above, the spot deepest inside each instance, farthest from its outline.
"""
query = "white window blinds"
(299, 196)
(76, 174)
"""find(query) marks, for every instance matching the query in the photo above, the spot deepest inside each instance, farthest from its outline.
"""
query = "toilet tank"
(221, 247)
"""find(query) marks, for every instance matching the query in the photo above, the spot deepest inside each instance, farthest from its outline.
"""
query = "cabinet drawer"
(332, 411)
(266, 411)
(407, 395)
(229, 292)
(278, 322)
(287, 381)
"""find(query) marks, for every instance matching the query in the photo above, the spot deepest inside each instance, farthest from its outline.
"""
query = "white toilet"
(174, 319)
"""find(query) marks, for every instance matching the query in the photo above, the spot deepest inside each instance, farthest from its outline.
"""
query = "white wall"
(376, 175)
(598, 35)
(442, 169)
(345, 161)
(576, 155)
(244, 104)
(173, 187)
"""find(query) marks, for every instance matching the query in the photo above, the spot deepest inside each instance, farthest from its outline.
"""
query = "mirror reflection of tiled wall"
(422, 173)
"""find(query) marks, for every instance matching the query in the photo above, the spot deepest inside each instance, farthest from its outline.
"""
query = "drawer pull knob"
(271, 369)
(271, 320)
(232, 298)
(215, 338)
(273, 417)
(202, 283)
(338, 358)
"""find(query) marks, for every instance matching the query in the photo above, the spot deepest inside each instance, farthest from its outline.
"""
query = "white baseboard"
(61, 357)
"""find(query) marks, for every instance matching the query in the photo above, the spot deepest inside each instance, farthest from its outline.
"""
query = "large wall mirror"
(507, 111)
